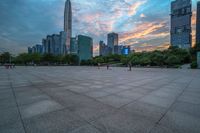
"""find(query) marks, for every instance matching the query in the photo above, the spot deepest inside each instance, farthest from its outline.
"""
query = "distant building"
(38, 48)
(35, 49)
(29, 50)
(103, 50)
(112, 40)
(74, 45)
(181, 12)
(85, 47)
(198, 25)
(55, 44)
(126, 50)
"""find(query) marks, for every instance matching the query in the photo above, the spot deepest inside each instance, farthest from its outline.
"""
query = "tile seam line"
(88, 122)
(158, 122)
(18, 110)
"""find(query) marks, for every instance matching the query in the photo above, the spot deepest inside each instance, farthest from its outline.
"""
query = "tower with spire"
(68, 23)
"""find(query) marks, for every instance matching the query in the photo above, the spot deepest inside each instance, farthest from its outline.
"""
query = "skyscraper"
(198, 25)
(112, 41)
(85, 47)
(181, 13)
(55, 44)
(74, 45)
(68, 23)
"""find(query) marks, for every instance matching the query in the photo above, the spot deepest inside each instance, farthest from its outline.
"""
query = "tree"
(157, 58)
(99, 60)
(48, 58)
(74, 59)
(144, 61)
(6, 57)
(135, 60)
(173, 60)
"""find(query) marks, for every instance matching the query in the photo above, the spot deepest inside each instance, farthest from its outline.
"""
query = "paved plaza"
(89, 100)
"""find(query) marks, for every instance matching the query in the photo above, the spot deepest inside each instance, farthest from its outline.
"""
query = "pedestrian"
(107, 66)
(130, 66)
(99, 65)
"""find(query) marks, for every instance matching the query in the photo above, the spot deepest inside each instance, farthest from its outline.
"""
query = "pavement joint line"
(67, 108)
(143, 96)
(9, 78)
(158, 122)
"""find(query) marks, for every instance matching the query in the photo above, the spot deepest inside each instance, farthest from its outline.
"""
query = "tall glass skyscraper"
(181, 13)
(198, 25)
(112, 41)
(68, 24)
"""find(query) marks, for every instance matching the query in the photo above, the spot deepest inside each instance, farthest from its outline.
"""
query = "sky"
(142, 24)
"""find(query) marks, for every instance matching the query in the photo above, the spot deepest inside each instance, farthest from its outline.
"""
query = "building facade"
(85, 47)
(181, 13)
(35, 49)
(198, 25)
(74, 45)
(55, 44)
(68, 24)
(126, 50)
(112, 41)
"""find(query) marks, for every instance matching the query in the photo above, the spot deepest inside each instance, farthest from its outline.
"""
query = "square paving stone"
(150, 111)
(32, 99)
(86, 129)
(123, 122)
(6, 94)
(130, 94)
(115, 101)
(157, 101)
(9, 116)
(188, 108)
(97, 94)
(161, 129)
(55, 122)
(189, 99)
(38, 108)
(7, 103)
(93, 110)
(12, 128)
(181, 122)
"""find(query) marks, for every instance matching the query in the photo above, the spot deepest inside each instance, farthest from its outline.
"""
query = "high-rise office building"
(68, 24)
(102, 47)
(198, 25)
(74, 45)
(181, 13)
(55, 44)
(35, 49)
(112, 41)
(29, 50)
(85, 47)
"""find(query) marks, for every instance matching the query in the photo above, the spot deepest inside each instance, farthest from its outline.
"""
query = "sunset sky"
(143, 24)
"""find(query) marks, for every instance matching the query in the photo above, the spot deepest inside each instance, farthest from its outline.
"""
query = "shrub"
(173, 60)
(194, 65)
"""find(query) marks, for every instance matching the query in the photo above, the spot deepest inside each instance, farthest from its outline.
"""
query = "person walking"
(130, 66)
(107, 66)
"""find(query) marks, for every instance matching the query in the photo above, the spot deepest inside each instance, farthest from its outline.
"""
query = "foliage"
(172, 57)
(5, 57)
(173, 60)
(194, 65)
(168, 58)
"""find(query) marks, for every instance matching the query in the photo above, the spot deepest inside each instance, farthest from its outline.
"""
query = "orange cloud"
(149, 47)
(142, 15)
(142, 31)
(133, 8)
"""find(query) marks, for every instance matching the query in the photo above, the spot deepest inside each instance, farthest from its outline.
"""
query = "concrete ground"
(88, 100)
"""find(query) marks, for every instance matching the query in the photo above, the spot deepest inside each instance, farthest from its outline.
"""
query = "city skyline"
(138, 26)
